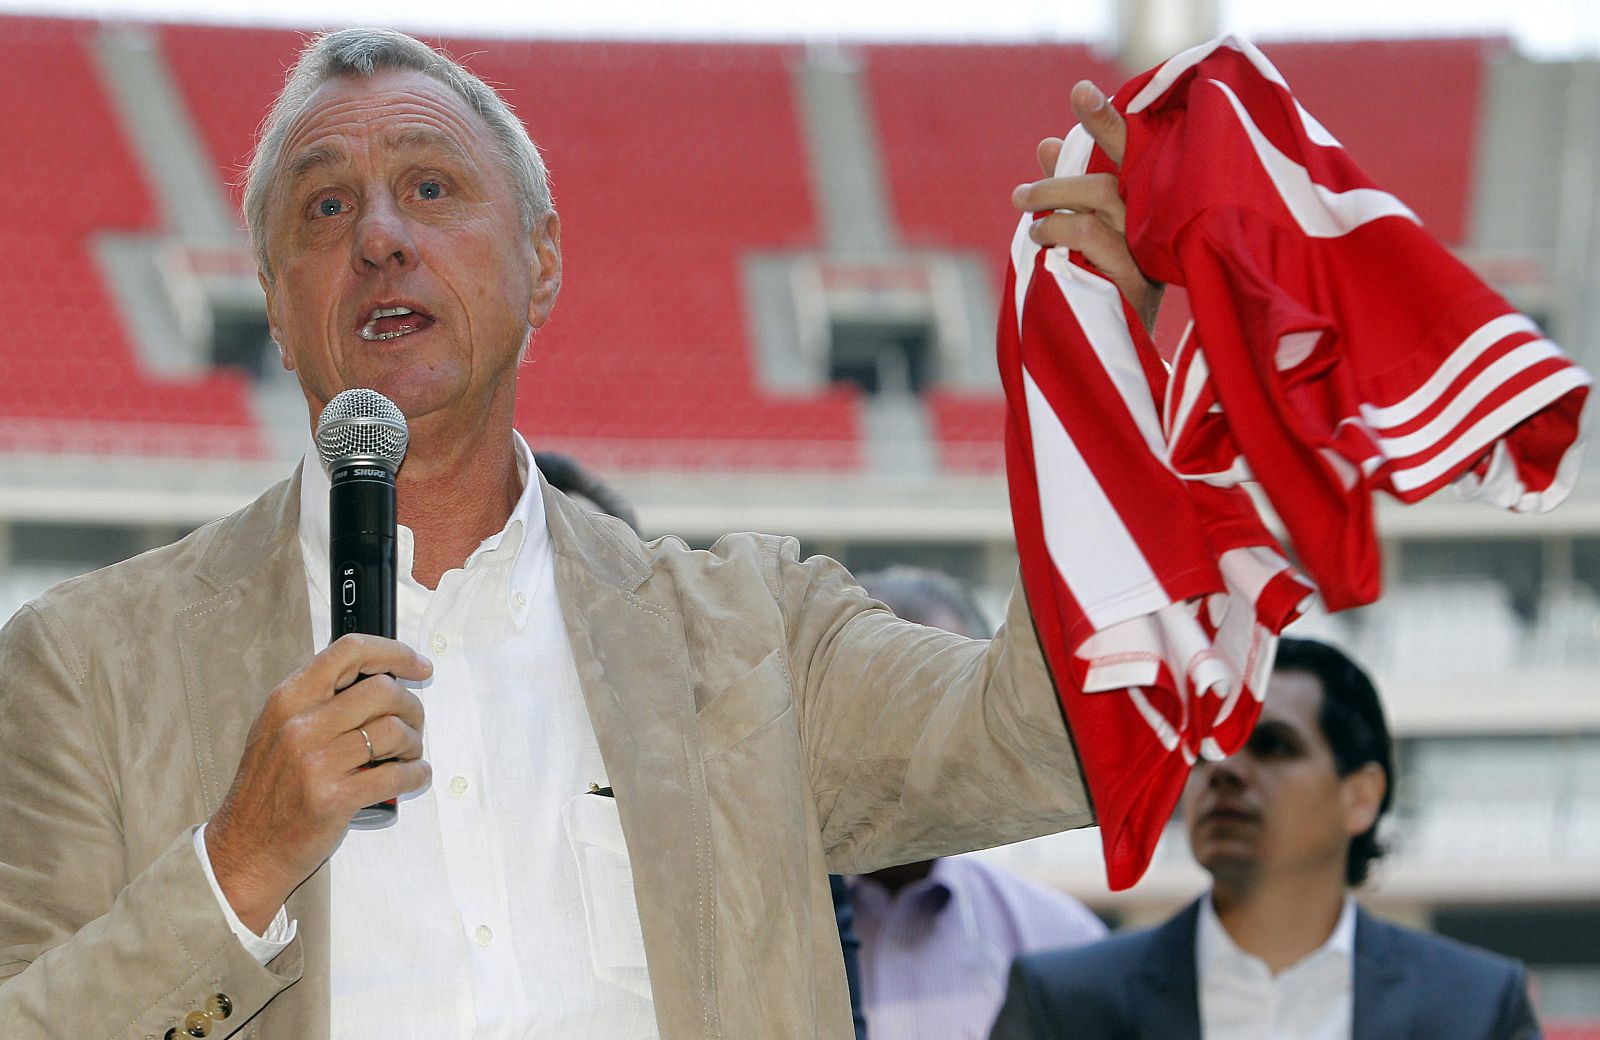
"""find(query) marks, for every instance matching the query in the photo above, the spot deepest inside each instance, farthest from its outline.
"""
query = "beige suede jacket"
(762, 722)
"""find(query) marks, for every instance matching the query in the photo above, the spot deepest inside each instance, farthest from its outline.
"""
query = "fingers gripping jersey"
(1335, 349)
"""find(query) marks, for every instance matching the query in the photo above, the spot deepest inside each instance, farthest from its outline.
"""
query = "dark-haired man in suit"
(1278, 949)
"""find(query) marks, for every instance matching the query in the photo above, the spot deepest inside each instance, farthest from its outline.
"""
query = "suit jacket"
(1136, 985)
(844, 913)
(761, 719)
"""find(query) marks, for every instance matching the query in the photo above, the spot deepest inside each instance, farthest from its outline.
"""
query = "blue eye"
(430, 189)
(330, 208)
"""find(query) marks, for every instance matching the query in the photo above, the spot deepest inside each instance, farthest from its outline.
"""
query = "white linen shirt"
(1240, 999)
(500, 905)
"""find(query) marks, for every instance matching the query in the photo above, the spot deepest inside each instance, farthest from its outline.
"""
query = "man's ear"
(270, 290)
(546, 268)
(1362, 794)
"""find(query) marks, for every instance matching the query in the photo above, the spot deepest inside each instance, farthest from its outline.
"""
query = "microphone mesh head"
(363, 425)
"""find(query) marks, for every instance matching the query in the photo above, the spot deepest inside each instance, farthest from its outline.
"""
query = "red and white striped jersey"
(1157, 599)
(1335, 348)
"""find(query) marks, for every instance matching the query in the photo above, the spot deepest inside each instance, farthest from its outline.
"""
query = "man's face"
(1278, 807)
(398, 257)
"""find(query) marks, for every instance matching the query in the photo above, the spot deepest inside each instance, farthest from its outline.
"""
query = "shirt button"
(440, 644)
(458, 785)
(520, 599)
(483, 935)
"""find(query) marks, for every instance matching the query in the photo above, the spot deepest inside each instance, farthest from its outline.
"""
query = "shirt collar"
(1214, 947)
(929, 896)
(524, 541)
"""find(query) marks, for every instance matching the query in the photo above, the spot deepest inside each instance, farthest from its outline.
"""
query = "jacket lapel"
(633, 666)
(1382, 1005)
(248, 629)
(1166, 996)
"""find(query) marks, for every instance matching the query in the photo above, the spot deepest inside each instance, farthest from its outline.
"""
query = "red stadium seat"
(69, 377)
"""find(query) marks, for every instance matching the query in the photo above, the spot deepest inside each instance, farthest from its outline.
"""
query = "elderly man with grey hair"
(640, 762)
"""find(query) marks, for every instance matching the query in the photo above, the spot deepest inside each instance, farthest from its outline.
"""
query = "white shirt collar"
(1215, 948)
(524, 540)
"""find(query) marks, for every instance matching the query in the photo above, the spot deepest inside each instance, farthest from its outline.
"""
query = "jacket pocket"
(744, 706)
(605, 876)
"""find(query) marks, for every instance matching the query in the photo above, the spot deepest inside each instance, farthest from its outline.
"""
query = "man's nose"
(1232, 771)
(383, 239)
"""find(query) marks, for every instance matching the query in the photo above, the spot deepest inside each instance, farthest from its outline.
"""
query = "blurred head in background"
(928, 597)
(1300, 803)
(564, 473)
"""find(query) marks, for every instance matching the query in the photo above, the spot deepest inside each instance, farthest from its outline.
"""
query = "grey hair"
(365, 52)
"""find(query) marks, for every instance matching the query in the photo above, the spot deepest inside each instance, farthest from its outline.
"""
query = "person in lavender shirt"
(938, 936)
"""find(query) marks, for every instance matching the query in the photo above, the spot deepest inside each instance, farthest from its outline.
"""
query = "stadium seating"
(956, 129)
(648, 360)
(69, 377)
(968, 430)
(954, 138)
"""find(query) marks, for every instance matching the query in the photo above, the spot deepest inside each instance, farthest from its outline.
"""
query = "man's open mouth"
(392, 323)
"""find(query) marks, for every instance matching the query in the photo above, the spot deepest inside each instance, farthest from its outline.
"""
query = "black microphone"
(362, 437)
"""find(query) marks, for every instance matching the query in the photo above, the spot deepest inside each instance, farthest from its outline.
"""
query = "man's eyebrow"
(419, 138)
(1276, 728)
(413, 139)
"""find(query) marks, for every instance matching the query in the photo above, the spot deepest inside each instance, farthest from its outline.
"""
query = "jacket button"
(218, 1006)
(197, 1024)
(172, 1034)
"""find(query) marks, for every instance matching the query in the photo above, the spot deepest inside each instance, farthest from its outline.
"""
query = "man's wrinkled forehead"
(420, 142)
(399, 112)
